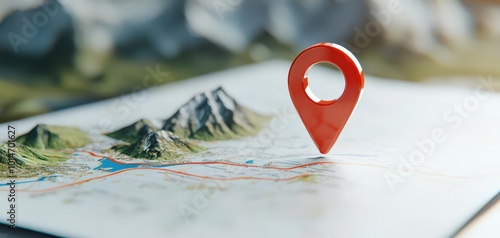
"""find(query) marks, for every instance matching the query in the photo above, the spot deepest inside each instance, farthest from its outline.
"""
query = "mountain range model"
(214, 116)
(134, 132)
(210, 115)
(54, 137)
(159, 145)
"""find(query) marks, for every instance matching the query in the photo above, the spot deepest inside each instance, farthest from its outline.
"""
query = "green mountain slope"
(134, 132)
(54, 137)
(29, 161)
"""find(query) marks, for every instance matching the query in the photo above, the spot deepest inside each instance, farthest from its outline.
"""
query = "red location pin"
(325, 119)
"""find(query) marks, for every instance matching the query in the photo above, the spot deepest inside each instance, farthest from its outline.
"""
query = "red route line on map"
(219, 162)
(186, 174)
(293, 167)
(167, 170)
(214, 178)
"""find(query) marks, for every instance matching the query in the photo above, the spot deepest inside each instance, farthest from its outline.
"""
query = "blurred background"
(56, 54)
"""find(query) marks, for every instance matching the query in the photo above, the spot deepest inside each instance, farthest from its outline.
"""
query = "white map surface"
(371, 184)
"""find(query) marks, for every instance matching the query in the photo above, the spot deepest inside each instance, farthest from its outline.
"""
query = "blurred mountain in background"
(56, 54)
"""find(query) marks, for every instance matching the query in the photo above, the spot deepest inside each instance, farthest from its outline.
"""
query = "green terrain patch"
(54, 137)
(28, 161)
(40, 150)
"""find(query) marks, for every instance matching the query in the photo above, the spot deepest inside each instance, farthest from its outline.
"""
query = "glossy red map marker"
(325, 119)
